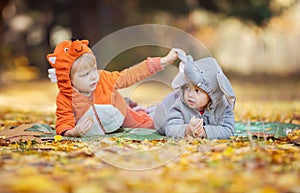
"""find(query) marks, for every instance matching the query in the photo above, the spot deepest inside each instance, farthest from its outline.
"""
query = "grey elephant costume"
(172, 115)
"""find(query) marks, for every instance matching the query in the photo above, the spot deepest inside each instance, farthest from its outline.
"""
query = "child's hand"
(81, 128)
(200, 132)
(194, 127)
(169, 58)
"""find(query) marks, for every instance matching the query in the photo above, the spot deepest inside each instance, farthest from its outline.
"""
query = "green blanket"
(275, 129)
(138, 134)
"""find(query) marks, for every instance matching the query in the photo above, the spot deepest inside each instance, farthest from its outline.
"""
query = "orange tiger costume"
(71, 104)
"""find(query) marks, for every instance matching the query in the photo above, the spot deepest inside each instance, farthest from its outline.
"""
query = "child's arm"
(64, 115)
(162, 111)
(65, 121)
(133, 74)
(143, 70)
(175, 125)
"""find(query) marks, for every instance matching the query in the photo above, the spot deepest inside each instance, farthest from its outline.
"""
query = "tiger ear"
(86, 42)
(51, 59)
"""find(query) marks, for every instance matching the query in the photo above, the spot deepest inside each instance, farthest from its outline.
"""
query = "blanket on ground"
(41, 132)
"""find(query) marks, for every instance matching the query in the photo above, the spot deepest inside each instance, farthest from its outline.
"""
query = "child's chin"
(192, 106)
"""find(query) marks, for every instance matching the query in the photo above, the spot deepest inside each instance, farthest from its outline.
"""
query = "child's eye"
(186, 87)
(66, 49)
(199, 91)
(85, 74)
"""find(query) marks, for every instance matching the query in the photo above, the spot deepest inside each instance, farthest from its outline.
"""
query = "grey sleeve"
(161, 112)
(175, 125)
(224, 129)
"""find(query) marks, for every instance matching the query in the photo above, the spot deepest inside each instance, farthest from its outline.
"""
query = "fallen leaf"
(57, 138)
(19, 133)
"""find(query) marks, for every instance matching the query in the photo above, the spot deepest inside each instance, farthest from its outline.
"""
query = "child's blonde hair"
(86, 61)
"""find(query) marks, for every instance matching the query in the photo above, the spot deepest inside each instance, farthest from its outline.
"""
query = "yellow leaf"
(57, 138)
(228, 151)
(29, 143)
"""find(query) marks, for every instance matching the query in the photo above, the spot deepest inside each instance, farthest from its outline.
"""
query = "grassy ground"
(121, 165)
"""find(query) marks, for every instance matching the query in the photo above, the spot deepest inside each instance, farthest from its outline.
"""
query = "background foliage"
(257, 44)
(246, 36)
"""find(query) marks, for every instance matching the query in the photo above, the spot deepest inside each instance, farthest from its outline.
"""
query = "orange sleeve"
(64, 114)
(138, 72)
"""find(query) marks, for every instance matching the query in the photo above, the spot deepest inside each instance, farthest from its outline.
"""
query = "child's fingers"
(88, 123)
(85, 125)
(190, 131)
(202, 133)
(193, 121)
(85, 128)
(172, 55)
(198, 131)
(199, 123)
(180, 53)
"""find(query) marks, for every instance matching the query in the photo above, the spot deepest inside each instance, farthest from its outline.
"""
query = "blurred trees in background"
(30, 29)
(256, 11)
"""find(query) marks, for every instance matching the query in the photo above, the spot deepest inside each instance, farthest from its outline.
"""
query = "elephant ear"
(191, 71)
(226, 88)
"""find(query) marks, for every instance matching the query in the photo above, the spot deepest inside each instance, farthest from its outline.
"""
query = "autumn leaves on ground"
(193, 165)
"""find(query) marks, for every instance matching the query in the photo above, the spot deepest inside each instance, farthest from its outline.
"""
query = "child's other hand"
(200, 132)
(189, 131)
(81, 128)
(169, 58)
(194, 126)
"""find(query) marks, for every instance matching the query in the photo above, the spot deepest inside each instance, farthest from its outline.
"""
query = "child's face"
(195, 97)
(86, 80)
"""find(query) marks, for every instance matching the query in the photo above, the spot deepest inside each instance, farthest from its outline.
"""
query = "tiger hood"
(62, 59)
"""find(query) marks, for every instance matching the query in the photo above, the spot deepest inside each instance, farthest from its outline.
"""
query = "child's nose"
(93, 76)
(191, 93)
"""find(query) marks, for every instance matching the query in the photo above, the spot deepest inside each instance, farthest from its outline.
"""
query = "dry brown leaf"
(3, 142)
(19, 133)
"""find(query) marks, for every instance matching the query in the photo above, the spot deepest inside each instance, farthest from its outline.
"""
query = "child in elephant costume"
(202, 103)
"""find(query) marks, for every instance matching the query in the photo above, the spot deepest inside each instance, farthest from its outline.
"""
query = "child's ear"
(51, 59)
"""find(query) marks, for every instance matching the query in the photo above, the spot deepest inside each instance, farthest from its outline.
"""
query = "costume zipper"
(98, 119)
